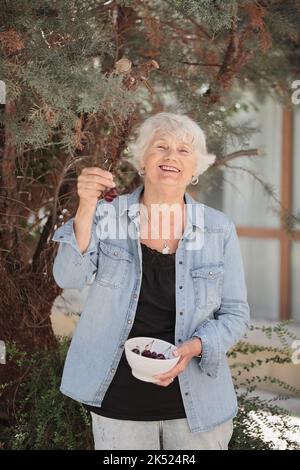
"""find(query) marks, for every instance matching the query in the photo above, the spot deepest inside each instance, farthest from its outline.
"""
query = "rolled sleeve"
(73, 269)
(66, 234)
(231, 321)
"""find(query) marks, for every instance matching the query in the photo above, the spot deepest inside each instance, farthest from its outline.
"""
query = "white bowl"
(144, 368)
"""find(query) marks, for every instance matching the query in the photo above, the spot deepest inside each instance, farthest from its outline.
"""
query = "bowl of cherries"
(149, 356)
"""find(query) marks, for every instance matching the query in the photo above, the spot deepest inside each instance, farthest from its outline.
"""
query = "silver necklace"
(166, 249)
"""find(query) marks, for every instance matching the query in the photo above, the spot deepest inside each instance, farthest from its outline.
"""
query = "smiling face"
(169, 160)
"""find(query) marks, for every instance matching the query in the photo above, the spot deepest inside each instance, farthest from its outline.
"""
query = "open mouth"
(169, 168)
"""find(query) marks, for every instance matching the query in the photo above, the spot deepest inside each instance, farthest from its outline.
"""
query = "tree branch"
(238, 153)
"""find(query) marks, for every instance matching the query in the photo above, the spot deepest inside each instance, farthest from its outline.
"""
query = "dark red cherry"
(110, 195)
(154, 355)
(160, 356)
(147, 353)
(136, 350)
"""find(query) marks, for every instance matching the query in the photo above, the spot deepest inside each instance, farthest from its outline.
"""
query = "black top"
(128, 397)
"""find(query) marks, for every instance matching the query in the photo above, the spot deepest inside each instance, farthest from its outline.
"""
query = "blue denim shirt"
(211, 303)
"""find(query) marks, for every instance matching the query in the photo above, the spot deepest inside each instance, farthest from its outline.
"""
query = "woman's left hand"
(189, 349)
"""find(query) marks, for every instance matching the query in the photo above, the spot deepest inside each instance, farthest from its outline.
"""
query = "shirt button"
(122, 345)
(134, 296)
(180, 313)
(180, 287)
(115, 253)
(209, 375)
(129, 321)
(187, 394)
(112, 370)
(180, 262)
(210, 273)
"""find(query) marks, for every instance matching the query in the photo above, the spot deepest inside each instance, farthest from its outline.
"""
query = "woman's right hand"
(91, 183)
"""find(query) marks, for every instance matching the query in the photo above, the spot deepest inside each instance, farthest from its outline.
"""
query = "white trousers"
(171, 434)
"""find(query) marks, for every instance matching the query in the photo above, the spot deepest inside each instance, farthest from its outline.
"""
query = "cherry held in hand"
(110, 195)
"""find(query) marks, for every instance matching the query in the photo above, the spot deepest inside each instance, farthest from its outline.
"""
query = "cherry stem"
(166, 351)
(150, 344)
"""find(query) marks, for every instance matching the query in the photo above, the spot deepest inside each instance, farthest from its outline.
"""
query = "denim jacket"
(211, 303)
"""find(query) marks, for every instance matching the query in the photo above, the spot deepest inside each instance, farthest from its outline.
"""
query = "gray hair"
(179, 125)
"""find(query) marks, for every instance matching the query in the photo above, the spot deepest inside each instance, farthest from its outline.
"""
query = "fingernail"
(175, 352)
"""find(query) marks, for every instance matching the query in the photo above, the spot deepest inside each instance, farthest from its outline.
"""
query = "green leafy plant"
(43, 418)
(256, 414)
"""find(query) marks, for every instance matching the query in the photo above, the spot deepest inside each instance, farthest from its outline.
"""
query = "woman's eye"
(161, 147)
(184, 150)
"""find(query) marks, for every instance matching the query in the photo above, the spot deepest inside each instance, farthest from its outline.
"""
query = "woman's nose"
(171, 157)
(170, 153)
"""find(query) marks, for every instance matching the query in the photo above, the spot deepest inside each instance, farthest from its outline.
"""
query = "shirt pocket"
(113, 265)
(208, 283)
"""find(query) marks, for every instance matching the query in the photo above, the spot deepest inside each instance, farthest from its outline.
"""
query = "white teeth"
(170, 168)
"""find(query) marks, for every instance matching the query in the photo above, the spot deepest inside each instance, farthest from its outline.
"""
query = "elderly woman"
(173, 270)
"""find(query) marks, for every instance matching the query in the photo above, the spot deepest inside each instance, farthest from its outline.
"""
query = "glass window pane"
(244, 197)
(261, 263)
(295, 280)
